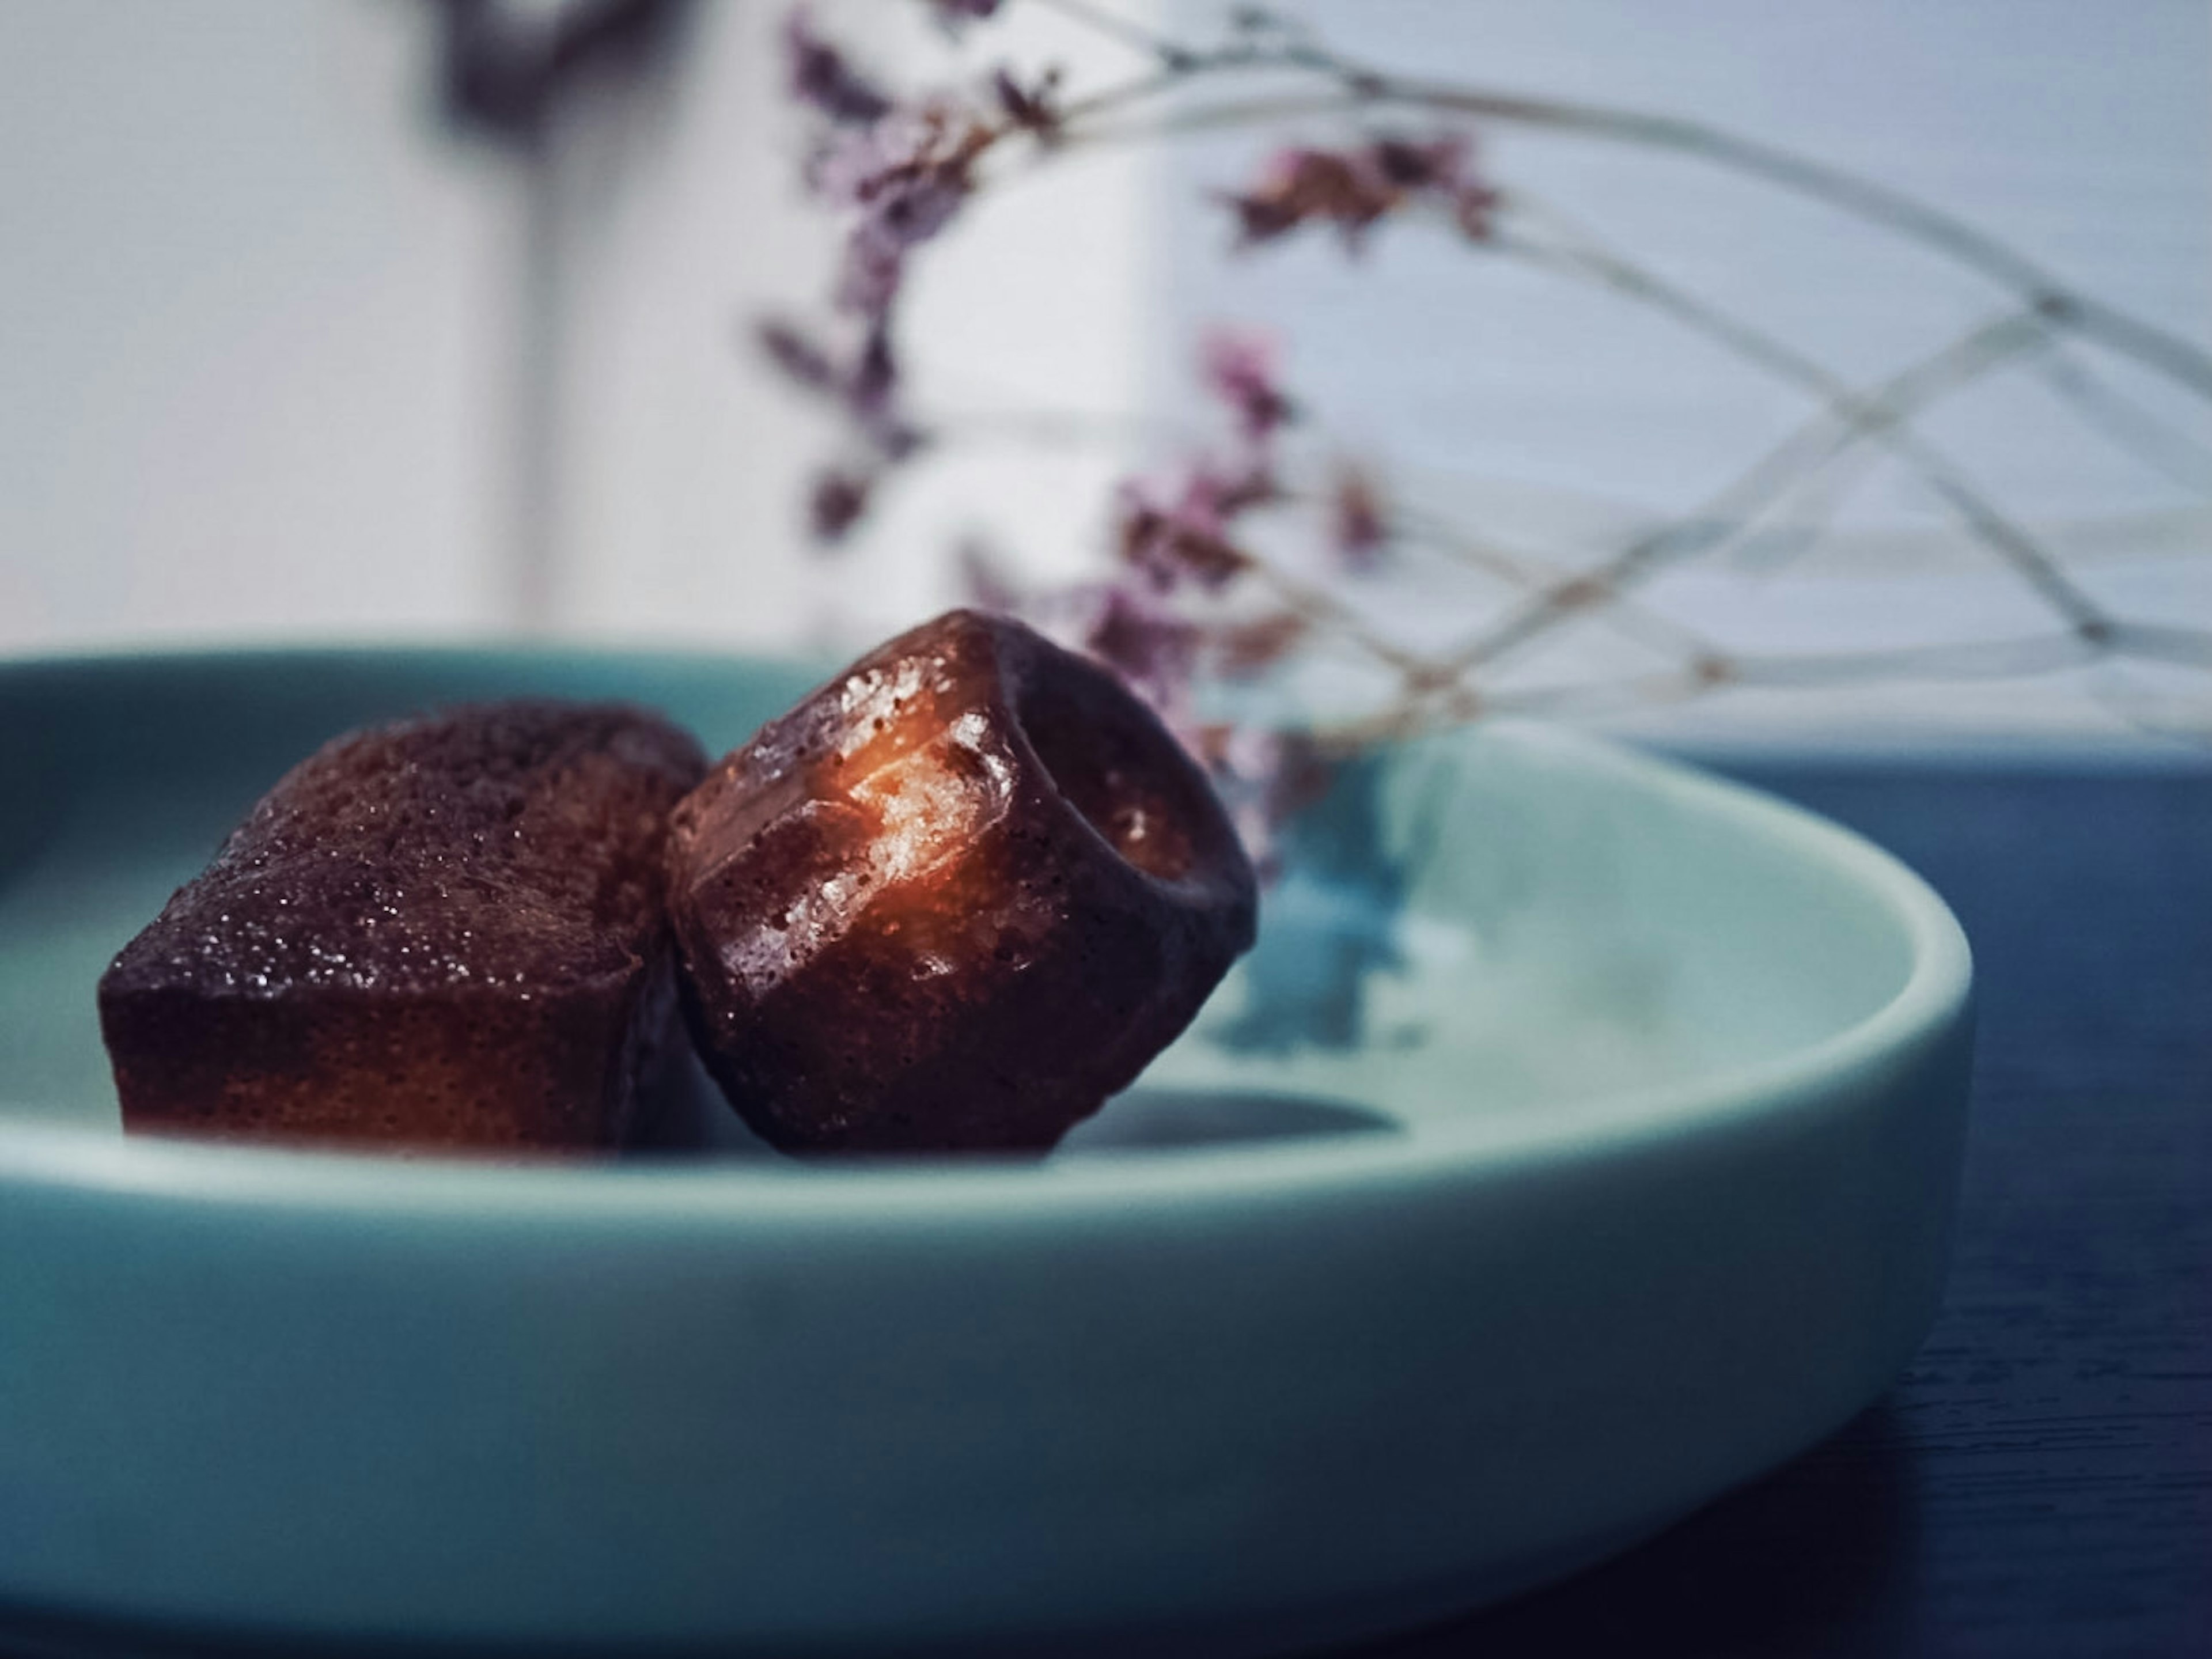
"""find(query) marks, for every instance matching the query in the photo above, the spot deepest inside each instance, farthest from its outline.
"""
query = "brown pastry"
(954, 899)
(445, 932)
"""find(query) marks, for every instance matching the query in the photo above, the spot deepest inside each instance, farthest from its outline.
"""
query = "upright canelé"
(449, 932)
(953, 900)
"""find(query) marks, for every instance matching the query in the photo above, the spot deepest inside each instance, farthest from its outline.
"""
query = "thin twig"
(1318, 605)
(1740, 502)
(1982, 660)
(2128, 427)
(1852, 420)
(2013, 337)
(2010, 540)
(1620, 612)
(1990, 659)
(1360, 88)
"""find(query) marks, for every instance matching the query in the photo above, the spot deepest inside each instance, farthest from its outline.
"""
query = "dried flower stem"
(1363, 90)
(1847, 418)
(1880, 422)
(907, 174)
(2127, 426)
(2013, 337)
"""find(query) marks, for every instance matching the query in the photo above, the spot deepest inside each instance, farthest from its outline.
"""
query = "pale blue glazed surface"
(1580, 1141)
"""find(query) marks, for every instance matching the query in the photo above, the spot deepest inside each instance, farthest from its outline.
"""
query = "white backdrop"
(1545, 411)
(250, 339)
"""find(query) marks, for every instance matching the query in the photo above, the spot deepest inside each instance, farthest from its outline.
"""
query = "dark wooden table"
(2040, 1482)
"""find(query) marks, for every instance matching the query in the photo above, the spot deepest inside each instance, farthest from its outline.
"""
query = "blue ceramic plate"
(1580, 1141)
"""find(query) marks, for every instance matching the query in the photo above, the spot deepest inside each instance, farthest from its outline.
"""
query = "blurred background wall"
(285, 351)
(288, 350)
(252, 325)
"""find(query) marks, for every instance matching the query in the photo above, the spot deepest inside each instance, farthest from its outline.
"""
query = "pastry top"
(509, 845)
(880, 803)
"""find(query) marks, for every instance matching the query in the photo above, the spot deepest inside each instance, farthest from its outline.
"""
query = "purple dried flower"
(804, 362)
(821, 77)
(871, 397)
(1300, 186)
(867, 389)
(1182, 532)
(954, 15)
(874, 268)
(1353, 187)
(907, 175)
(1359, 529)
(1151, 648)
(1474, 209)
(1170, 542)
(1240, 370)
(1442, 169)
(835, 504)
(1412, 164)
(1036, 108)
(873, 383)
(920, 200)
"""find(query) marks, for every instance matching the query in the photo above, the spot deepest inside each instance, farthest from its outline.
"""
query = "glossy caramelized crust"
(956, 898)
(445, 932)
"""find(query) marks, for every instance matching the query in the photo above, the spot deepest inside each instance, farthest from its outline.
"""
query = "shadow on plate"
(687, 1115)
(1164, 1119)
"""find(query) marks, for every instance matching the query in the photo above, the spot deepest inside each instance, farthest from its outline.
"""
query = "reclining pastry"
(445, 932)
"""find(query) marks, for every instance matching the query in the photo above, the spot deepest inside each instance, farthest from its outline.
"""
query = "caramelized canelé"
(444, 933)
(953, 900)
